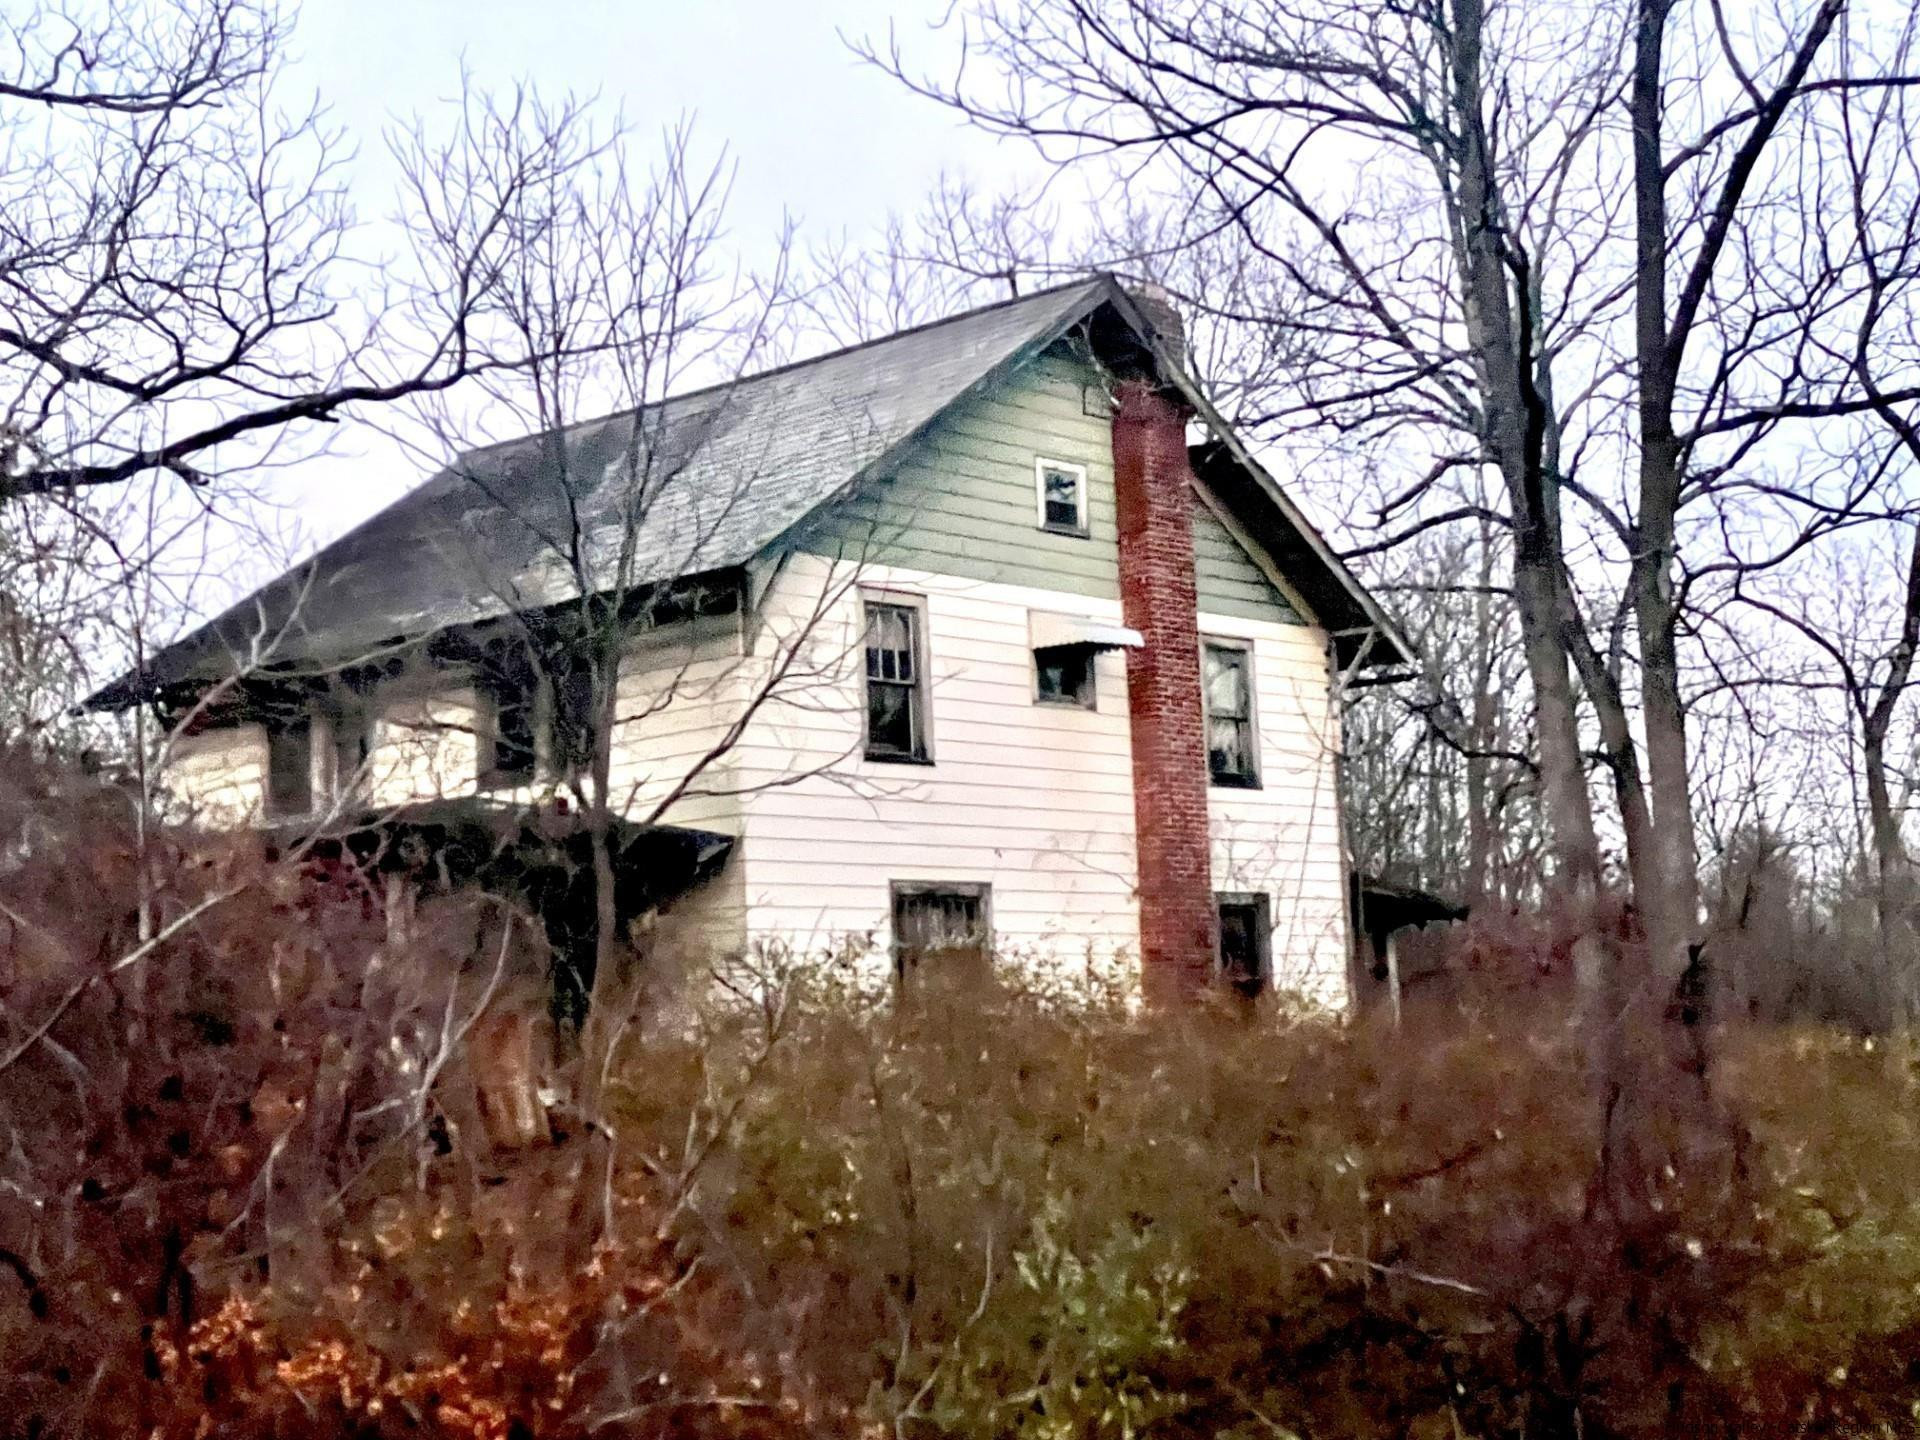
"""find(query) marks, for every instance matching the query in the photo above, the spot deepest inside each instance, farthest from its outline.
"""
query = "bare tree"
(179, 282)
(625, 333)
(1529, 238)
(1441, 773)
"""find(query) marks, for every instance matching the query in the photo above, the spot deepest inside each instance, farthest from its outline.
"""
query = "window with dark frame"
(290, 768)
(896, 688)
(1246, 942)
(1063, 497)
(571, 727)
(1231, 744)
(943, 927)
(506, 745)
(1064, 675)
(350, 731)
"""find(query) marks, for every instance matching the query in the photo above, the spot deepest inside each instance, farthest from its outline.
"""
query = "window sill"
(884, 757)
(1235, 782)
(1072, 532)
(1065, 702)
(486, 784)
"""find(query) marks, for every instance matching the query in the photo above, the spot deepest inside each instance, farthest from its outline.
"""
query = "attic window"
(1061, 491)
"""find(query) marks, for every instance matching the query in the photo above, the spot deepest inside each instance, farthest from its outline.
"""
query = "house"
(987, 634)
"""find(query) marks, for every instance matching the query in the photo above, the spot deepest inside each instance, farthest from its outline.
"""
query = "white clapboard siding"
(681, 686)
(1034, 800)
(218, 776)
(1283, 840)
(425, 744)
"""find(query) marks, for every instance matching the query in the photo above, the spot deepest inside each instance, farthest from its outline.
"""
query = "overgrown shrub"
(246, 1189)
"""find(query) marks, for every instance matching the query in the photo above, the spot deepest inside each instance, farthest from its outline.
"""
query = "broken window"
(940, 927)
(896, 689)
(1246, 942)
(1062, 496)
(1065, 674)
(289, 767)
(1231, 745)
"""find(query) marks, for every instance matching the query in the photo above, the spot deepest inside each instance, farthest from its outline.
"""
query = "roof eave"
(1387, 645)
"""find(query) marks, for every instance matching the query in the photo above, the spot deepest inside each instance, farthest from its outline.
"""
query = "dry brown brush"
(252, 1185)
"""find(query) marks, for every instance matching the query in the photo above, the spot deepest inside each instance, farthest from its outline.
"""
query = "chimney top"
(1156, 307)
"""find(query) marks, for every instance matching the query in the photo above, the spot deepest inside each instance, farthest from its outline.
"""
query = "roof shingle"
(730, 469)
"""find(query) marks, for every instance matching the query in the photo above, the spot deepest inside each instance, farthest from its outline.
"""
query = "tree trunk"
(1480, 736)
(597, 1031)
(1515, 437)
(1893, 869)
(1666, 886)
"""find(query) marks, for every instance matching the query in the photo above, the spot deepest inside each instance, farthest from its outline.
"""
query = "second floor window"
(1062, 496)
(896, 688)
(1231, 746)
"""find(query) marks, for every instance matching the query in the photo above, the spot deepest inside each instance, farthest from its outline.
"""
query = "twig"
(132, 957)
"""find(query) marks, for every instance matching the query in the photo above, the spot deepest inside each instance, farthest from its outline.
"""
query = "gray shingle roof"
(732, 468)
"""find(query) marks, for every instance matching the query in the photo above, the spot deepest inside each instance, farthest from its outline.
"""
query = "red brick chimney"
(1151, 478)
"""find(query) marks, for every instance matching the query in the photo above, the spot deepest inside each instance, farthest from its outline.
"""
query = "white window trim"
(922, 654)
(1041, 465)
(1256, 780)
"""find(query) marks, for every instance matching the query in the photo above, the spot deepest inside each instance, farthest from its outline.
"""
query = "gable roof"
(743, 463)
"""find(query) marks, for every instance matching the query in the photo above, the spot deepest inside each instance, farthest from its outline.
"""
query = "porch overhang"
(542, 855)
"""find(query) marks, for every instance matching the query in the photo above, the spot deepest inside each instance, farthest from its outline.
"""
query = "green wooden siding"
(963, 502)
(1228, 580)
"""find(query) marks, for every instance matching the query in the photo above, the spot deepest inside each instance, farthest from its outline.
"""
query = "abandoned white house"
(987, 633)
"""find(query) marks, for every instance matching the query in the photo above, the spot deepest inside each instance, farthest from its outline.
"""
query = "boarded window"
(1231, 745)
(896, 689)
(1063, 497)
(290, 768)
(941, 928)
(1246, 942)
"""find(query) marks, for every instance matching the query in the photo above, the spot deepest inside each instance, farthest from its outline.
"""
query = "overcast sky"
(812, 131)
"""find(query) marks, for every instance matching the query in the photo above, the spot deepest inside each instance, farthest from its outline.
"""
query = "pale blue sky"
(811, 129)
